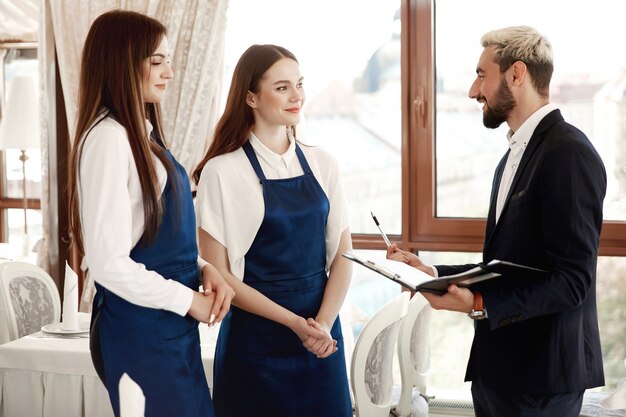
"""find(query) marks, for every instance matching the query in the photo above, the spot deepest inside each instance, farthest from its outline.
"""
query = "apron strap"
(303, 162)
(247, 147)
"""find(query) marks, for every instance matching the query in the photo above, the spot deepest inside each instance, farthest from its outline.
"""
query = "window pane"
(19, 244)
(587, 86)
(14, 174)
(352, 89)
(369, 291)
(17, 62)
(451, 336)
(611, 298)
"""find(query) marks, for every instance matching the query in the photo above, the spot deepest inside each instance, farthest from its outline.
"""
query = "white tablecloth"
(54, 377)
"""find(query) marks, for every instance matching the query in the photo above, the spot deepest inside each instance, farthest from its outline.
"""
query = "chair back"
(371, 371)
(29, 299)
(414, 352)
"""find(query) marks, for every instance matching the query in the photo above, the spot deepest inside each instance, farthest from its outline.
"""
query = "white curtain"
(195, 32)
(18, 20)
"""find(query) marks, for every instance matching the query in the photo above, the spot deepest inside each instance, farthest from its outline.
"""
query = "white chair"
(371, 372)
(29, 299)
(414, 358)
(600, 404)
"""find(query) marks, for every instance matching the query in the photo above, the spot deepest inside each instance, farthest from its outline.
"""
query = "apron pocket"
(171, 326)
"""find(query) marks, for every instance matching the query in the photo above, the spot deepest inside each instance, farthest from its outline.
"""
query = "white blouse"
(229, 199)
(112, 217)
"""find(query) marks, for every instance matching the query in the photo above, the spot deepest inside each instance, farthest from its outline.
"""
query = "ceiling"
(19, 20)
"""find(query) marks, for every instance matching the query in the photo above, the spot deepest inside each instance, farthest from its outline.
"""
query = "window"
(18, 59)
(386, 89)
(352, 89)
(459, 155)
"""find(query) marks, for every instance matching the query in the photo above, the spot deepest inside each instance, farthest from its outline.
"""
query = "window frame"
(10, 202)
(421, 228)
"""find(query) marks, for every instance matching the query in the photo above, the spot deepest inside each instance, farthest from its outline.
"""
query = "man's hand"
(456, 299)
(396, 254)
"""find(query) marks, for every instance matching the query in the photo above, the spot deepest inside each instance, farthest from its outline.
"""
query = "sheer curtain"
(196, 31)
(196, 38)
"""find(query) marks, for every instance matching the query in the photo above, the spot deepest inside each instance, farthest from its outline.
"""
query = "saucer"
(57, 328)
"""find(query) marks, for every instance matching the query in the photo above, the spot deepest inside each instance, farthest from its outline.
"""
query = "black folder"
(416, 280)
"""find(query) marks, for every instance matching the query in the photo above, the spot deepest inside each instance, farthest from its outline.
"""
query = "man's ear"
(251, 99)
(518, 72)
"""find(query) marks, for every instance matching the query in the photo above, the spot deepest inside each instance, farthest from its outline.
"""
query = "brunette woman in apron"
(272, 221)
(132, 216)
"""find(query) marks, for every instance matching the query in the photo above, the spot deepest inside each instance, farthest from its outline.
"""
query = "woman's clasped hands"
(315, 336)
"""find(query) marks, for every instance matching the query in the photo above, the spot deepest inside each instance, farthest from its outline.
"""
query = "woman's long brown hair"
(117, 45)
(233, 128)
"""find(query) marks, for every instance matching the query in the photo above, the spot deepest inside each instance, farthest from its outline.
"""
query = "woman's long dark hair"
(117, 45)
(233, 128)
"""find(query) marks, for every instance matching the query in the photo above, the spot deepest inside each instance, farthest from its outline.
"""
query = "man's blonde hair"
(525, 44)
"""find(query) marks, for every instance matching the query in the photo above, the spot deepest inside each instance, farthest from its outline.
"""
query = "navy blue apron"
(158, 349)
(261, 367)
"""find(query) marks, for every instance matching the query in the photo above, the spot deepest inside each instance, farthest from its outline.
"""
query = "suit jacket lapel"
(531, 148)
(495, 187)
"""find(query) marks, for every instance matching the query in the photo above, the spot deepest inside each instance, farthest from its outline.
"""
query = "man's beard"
(504, 102)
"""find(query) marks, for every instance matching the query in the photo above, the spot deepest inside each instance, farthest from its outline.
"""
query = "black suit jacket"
(542, 334)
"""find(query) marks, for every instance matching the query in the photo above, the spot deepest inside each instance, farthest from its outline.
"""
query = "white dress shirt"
(517, 145)
(112, 217)
(229, 199)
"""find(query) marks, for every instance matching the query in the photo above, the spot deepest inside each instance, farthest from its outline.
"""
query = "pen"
(381, 230)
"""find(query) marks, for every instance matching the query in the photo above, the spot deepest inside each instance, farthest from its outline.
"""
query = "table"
(54, 376)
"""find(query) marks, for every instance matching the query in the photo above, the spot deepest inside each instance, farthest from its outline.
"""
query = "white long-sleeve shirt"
(112, 217)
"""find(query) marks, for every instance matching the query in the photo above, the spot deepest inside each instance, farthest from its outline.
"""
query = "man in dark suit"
(536, 345)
